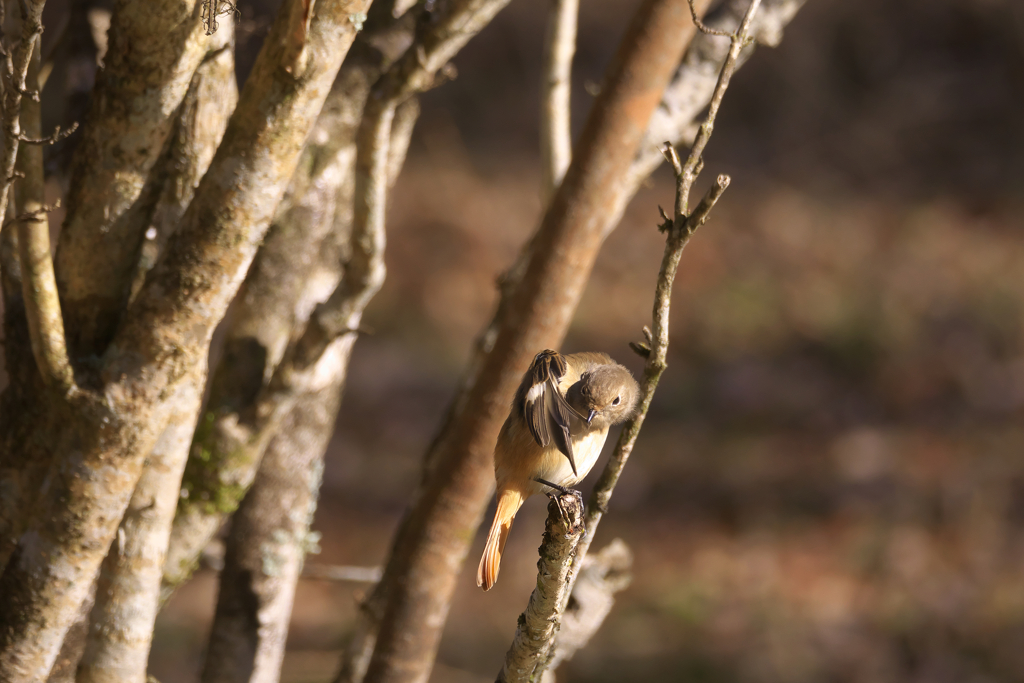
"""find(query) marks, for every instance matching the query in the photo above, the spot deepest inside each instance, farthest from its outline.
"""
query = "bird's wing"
(545, 409)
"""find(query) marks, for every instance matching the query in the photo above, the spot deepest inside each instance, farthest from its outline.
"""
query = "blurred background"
(830, 485)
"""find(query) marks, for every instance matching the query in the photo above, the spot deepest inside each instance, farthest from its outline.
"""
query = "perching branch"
(411, 601)
(556, 89)
(601, 576)
(680, 228)
(535, 632)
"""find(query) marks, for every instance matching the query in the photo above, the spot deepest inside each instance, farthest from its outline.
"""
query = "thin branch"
(697, 76)
(537, 626)
(556, 89)
(13, 72)
(51, 139)
(329, 572)
(411, 601)
(39, 288)
(679, 231)
(700, 25)
(737, 42)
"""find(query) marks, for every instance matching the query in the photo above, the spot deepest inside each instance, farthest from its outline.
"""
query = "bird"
(553, 435)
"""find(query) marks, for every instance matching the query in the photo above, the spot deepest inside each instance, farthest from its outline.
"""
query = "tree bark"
(269, 540)
(120, 633)
(153, 50)
(104, 437)
(278, 297)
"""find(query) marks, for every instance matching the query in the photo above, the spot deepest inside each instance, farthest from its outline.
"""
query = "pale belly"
(555, 466)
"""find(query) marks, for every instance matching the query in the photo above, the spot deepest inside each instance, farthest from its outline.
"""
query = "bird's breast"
(555, 467)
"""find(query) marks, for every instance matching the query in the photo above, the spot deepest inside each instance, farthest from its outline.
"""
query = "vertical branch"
(270, 531)
(154, 49)
(127, 594)
(556, 90)
(121, 629)
(269, 540)
(433, 539)
(533, 658)
(39, 289)
(537, 626)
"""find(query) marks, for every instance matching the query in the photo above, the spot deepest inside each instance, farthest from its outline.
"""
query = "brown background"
(831, 482)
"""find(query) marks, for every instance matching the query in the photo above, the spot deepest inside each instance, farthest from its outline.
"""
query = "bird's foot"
(570, 524)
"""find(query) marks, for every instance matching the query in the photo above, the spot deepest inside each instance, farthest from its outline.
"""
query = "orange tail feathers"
(509, 502)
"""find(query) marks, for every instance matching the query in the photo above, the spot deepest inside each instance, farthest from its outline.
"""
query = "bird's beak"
(590, 417)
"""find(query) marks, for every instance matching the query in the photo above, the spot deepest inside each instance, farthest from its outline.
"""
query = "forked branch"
(533, 658)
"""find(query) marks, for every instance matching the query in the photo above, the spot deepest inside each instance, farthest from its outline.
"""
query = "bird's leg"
(562, 491)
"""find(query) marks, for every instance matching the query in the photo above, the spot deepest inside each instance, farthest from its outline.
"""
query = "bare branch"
(690, 167)
(121, 628)
(267, 546)
(556, 112)
(313, 226)
(51, 139)
(128, 588)
(154, 51)
(165, 335)
(695, 80)
(39, 288)
(679, 231)
(602, 575)
(700, 25)
(14, 68)
(325, 572)
(535, 632)
(412, 599)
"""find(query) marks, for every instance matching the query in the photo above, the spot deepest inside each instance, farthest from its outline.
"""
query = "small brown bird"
(553, 435)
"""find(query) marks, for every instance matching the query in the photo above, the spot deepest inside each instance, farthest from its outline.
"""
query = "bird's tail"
(509, 502)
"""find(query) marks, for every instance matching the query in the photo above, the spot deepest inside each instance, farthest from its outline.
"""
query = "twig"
(690, 169)
(51, 139)
(14, 68)
(694, 82)
(328, 572)
(38, 285)
(34, 215)
(212, 9)
(679, 232)
(556, 117)
(700, 25)
(411, 601)
(535, 632)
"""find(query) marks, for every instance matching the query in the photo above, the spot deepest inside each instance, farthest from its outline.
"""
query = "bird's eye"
(616, 401)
